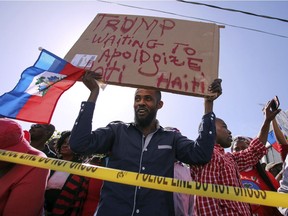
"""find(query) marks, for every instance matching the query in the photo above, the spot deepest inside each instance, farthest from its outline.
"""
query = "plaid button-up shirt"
(224, 169)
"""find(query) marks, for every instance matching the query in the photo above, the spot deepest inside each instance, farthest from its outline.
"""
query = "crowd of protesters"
(143, 146)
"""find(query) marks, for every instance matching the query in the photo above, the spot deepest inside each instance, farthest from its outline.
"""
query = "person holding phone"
(225, 167)
(275, 103)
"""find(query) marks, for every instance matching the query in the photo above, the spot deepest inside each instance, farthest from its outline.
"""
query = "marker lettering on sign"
(134, 25)
(172, 81)
(112, 40)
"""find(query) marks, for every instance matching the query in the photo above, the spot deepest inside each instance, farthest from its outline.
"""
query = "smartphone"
(275, 103)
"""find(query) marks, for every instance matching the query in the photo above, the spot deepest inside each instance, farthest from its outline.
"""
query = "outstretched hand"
(269, 116)
(269, 113)
(90, 80)
(216, 89)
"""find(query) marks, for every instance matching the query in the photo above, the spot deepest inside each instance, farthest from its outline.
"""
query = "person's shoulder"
(34, 151)
(32, 169)
(171, 129)
(219, 155)
(117, 122)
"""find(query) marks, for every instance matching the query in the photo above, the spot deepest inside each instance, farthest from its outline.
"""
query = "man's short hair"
(51, 129)
(157, 93)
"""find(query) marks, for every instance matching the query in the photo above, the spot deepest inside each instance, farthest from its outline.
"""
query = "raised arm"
(216, 89)
(269, 116)
(90, 81)
(80, 139)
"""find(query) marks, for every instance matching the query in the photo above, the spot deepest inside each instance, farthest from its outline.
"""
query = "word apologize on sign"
(171, 55)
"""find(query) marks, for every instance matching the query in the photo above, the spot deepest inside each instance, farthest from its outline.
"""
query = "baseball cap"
(12, 136)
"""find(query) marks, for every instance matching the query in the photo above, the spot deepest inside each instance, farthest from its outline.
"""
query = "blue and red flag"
(282, 121)
(272, 140)
(35, 96)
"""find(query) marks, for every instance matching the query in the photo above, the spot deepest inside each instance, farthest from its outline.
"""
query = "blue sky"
(253, 64)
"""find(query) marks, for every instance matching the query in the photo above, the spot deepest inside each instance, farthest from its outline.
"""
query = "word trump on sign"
(171, 55)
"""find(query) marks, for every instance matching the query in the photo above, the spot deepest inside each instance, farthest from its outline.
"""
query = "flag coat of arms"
(35, 96)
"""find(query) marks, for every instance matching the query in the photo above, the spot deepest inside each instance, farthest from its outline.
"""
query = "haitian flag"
(35, 96)
(282, 121)
(272, 140)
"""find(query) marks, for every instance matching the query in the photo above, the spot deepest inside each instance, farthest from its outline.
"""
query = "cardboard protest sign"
(171, 55)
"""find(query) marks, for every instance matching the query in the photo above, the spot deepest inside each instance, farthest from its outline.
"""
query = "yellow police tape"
(262, 197)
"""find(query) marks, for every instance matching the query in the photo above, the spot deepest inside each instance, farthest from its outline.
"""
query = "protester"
(51, 143)
(142, 147)
(66, 192)
(183, 203)
(94, 188)
(275, 169)
(224, 168)
(284, 185)
(282, 146)
(22, 187)
(40, 134)
(255, 177)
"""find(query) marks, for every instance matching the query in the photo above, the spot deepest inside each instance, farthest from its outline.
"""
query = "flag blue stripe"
(50, 62)
(13, 103)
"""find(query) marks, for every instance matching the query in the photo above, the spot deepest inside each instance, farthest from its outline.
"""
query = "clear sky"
(253, 59)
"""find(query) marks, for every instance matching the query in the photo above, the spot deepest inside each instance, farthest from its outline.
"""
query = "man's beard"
(144, 122)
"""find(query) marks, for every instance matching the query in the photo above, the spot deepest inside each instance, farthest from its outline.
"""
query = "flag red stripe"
(40, 109)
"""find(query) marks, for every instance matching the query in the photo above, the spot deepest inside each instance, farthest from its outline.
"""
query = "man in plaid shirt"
(224, 168)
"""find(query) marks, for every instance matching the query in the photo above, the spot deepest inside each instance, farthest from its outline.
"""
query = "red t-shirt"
(93, 197)
(22, 189)
(251, 179)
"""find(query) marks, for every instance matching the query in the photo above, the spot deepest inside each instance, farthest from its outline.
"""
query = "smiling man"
(142, 146)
